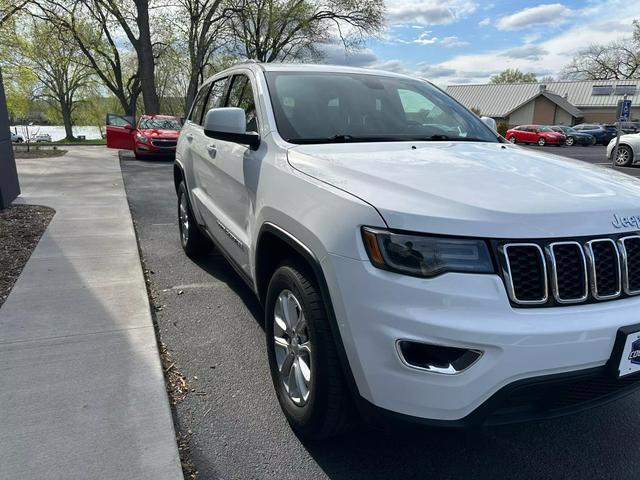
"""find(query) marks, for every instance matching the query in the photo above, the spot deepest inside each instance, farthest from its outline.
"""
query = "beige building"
(553, 103)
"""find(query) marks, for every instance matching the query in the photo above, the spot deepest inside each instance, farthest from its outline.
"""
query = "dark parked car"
(603, 133)
(573, 136)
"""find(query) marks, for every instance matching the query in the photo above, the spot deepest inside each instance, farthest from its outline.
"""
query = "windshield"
(568, 130)
(159, 124)
(345, 107)
(545, 129)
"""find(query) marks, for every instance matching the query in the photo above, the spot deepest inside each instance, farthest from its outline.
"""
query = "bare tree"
(270, 30)
(617, 60)
(133, 17)
(206, 32)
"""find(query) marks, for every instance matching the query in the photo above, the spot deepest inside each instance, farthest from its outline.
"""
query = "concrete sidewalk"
(83, 395)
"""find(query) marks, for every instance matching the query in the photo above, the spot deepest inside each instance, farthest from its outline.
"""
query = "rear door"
(120, 131)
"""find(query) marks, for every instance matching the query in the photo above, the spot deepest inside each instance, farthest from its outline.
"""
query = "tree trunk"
(192, 91)
(65, 109)
(146, 60)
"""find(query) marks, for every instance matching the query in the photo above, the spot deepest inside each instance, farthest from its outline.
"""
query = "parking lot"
(231, 421)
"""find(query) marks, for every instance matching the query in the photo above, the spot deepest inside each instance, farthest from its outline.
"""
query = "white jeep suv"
(411, 262)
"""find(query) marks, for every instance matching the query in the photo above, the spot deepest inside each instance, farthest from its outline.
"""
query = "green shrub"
(502, 128)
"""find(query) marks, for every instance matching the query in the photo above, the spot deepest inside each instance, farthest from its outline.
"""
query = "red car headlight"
(141, 138)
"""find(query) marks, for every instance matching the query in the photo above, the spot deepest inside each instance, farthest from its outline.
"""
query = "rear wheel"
(303, 360)
(542, 142)
(570, 141)
(625, 156)
(191, 238)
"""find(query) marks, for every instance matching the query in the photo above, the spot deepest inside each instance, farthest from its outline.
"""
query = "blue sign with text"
(625, 111)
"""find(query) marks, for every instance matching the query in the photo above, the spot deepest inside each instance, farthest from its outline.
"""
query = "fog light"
(437, 358)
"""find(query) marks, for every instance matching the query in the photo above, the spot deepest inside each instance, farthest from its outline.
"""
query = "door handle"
(189, 136)
(213, 151)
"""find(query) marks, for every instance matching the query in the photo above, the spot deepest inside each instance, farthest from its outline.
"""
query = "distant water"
(56, 132)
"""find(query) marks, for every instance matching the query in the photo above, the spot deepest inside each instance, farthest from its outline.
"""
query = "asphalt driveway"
(212, 325)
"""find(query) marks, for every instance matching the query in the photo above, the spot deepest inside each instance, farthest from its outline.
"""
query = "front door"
(231, 167)
(120, 131)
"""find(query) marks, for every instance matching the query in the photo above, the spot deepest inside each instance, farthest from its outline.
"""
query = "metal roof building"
(589, 101)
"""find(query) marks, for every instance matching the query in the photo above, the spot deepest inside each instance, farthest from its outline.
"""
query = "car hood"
(155, 133)
(490, 190)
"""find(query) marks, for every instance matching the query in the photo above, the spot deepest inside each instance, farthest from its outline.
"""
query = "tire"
(325, 410)
(138, 155)
(570, 141)
(512, 139)
(192, 239)
(542, 142)
(625, 156)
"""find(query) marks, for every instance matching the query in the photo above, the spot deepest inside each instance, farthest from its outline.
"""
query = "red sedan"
(535, 134)
(154, 135)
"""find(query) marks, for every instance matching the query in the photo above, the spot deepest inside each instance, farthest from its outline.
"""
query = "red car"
(535, 134)
(154, 135)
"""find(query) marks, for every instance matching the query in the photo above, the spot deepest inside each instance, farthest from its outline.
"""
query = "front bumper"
(375, 308)
(151, 149)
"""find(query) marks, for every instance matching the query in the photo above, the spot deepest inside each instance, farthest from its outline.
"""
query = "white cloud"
(336, 54)
(453, 41)
(550, 14)
(425, 39)
(428, 12)
(530, 52)
(484, 22)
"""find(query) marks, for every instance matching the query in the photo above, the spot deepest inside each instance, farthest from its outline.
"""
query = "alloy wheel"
(541, 141)
(623, 156)
(570, 141)
(292, 347)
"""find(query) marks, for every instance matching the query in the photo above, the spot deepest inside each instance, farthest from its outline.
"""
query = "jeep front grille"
(552, 273)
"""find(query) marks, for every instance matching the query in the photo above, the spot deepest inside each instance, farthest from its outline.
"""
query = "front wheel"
(512, 139)
(542, 142)
(625, 156)
(191, 238)
(570, 141)
(303, 360)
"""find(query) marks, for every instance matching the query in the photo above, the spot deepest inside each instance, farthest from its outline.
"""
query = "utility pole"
(9, 186)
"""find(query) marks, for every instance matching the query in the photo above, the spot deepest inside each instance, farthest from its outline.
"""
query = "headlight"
(141, 138)
(424, 255)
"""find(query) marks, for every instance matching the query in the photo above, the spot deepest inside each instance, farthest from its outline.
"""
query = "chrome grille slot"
(525, 273)
(569, 277)
(630, 251)
(604, 263)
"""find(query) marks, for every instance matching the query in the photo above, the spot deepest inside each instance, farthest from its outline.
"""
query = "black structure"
(9, 186)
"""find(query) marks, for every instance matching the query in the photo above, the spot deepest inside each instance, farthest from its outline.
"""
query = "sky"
(466, 41)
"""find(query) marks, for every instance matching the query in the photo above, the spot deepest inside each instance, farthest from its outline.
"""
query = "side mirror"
(489, 122)
(128, 126)
(230, 124)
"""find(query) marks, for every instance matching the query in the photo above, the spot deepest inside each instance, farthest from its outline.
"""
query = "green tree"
(43, 51)
(513, 75)
(99, 39)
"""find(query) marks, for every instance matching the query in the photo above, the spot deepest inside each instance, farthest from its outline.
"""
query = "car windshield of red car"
(159, 124)
(545, 129)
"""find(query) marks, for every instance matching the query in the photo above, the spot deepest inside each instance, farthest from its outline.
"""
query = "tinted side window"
(198, 105)
(241, 96)
(216, 96)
